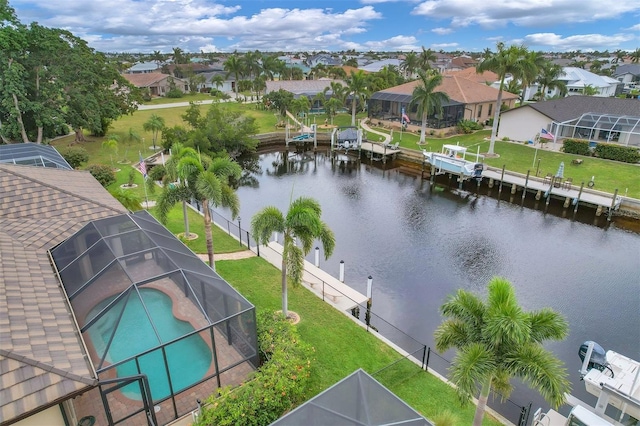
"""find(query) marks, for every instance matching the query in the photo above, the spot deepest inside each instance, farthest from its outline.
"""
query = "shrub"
(277, 387)
(468, 126)
(576, 146)
(612, 151)
(75, 156)
(103, 174)
(174, 93)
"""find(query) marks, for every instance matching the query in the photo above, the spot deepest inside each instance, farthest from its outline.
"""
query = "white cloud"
(552, 41)
(442, 31)
(530, 13)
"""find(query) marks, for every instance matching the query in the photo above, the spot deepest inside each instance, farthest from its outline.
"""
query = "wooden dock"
(573, 194)
(379, 151)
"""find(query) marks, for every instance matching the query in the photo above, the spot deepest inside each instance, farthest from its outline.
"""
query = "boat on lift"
(610, 376)
(452, 159)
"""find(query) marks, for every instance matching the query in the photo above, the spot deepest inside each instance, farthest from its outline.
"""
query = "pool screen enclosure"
(147, 306)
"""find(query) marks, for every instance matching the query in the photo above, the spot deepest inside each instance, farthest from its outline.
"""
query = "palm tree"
(409, 64)
(300, 105)
(301, 223)
(425, 58)
(504, 61)
(428, 101)
(357, 87)
(129, 199)
(635, 56)
(233, 65)
(548, 78)
(209, 185)
(529, 71)
(497, 340)
(590, 90)
(154, 124)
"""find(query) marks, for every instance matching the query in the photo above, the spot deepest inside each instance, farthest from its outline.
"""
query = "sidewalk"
(365, 126)
(236, 255)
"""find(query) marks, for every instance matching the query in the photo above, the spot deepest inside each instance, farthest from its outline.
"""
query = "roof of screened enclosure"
(356, 400)
(112, 262)
(32, 154)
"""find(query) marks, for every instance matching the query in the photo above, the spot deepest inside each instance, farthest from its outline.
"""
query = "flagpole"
(144, 180)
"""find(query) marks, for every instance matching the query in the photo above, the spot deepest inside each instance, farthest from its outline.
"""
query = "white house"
(585, 117)
(577, 79)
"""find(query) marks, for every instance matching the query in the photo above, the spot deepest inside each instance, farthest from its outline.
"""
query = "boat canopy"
(454, 148)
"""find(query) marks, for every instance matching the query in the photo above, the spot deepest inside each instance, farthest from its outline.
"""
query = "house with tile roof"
(74, 264)
(43, 360)
(157, 83)
(584, 117)
(469, 100)
(143, 67)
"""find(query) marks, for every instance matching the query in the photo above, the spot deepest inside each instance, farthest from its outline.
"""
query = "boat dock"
(573, 194)
(324, 285)
(380, 151)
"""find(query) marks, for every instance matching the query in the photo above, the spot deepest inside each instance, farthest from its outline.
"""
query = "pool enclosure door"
(117, 415)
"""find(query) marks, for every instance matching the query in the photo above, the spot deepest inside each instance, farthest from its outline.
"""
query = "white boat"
(610, 376)
(452, 159)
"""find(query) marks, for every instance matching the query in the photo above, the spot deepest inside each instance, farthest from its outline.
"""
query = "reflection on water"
(420, 245)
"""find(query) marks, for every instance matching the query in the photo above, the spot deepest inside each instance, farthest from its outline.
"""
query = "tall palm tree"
(635, 56)
(271, 66)
(529, 71)
(233, 65)
(302, 223)
(425, 58)
(548, 78)
(357, 88)
(497, 340)
(206, 181)
(154, 124)
(427, 100)
(504, 61)
(409, 65)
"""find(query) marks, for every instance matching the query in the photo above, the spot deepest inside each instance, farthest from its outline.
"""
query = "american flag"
(405, 117)
(142, 166)
(546, 135)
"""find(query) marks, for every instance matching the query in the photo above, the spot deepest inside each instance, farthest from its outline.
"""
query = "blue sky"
(336, 25)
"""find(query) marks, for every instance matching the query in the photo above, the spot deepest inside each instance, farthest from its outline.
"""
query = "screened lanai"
(32, 154)
(357, 400)
(156, 320)
(388, 106)
(621, 129)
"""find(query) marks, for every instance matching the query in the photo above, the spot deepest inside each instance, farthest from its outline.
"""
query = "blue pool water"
(188, 359)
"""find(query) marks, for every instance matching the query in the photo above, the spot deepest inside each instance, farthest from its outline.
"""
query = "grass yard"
(340, 345)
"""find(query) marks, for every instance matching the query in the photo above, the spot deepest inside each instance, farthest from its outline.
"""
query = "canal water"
(421, 245)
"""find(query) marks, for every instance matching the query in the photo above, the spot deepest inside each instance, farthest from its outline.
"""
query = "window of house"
(479, 111)
(490, 108)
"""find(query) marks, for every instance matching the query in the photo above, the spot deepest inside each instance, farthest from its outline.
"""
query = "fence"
(415, 351)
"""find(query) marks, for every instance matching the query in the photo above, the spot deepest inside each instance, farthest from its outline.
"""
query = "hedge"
(612, 151)
(278, 386)
(576, 146)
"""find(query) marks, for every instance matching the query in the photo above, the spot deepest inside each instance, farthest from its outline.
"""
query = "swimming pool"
(188, 359)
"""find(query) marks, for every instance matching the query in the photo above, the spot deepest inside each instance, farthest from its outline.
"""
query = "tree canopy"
(51, 79)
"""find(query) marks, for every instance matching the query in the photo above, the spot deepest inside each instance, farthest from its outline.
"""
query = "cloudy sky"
(335, 25)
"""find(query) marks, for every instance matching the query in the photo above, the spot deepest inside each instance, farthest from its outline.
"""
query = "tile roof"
(571, 107)
(145, 79)
(42, 357)
(458, 88)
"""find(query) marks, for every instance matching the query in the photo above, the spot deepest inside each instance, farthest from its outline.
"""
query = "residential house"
(469, 100)
(308, 88)
(378, 65)
(157, 83)
(628, 73)
(584, 117)
(577, 79)
(72, 260)
(143, 67)
(325, 59)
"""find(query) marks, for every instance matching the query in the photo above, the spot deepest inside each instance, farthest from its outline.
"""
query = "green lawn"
(340, 345)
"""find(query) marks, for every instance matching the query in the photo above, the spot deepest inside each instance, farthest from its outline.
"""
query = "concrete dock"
(324, 285)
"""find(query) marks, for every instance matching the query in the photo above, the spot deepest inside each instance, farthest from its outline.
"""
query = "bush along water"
(277, 387)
